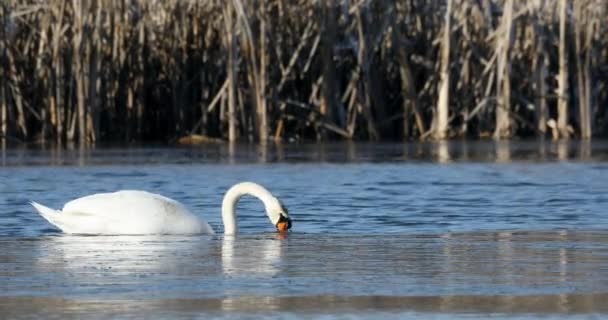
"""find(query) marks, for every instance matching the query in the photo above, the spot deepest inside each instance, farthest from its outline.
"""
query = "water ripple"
(393, 231)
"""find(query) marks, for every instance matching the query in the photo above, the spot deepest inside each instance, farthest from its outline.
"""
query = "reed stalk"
(562, 78)
(117, 70)
(441, 125)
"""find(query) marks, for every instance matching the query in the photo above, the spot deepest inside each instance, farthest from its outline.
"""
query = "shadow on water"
(440, 152)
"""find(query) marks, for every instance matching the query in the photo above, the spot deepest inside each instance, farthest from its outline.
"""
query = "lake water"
(447, 230)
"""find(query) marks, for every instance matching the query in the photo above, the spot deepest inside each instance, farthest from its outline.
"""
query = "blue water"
(402, 231)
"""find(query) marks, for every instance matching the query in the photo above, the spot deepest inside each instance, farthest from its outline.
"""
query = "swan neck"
(229, 217)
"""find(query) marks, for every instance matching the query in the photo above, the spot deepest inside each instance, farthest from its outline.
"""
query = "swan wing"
(129, 212)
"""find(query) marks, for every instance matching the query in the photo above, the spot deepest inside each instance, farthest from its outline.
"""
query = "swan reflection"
(99, 259)
(538, 272)
(252, 258)
(259, 256)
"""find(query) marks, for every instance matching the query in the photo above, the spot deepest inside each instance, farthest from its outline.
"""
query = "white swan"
(132, 212)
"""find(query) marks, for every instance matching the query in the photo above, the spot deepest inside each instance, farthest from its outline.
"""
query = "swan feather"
(125, 212)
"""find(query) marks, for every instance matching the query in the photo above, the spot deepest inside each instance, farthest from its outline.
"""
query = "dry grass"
(84, 70)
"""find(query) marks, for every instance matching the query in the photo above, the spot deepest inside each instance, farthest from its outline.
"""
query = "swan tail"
(51, 215)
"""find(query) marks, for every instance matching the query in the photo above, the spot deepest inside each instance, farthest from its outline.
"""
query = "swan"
(135, 212)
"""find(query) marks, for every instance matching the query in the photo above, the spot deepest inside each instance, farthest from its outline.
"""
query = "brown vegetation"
(130, 70)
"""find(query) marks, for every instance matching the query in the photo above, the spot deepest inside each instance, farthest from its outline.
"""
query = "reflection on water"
(255, 257)
(440, 151)
(539, 272)
(441, 228)
(328, 306)
(119, 255)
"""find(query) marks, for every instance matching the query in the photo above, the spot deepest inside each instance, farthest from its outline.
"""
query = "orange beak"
(283, 226)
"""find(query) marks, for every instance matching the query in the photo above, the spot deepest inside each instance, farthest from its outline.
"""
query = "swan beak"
(284, 224)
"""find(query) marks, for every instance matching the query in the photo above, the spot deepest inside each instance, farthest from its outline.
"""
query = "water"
(451, 230)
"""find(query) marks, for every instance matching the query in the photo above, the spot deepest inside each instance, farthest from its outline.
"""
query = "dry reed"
(117, 70)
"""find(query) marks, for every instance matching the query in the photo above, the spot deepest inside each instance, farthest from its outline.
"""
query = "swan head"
(278, 215)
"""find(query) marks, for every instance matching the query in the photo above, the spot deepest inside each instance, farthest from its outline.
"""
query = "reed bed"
(135, 70)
